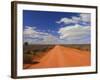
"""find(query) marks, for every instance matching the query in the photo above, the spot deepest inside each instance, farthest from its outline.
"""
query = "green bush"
(27, 58)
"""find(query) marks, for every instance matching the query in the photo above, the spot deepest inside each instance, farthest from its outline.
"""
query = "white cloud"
(73, 33)
(83, 17)
(66, 21)
(68, 35)
(30, 31)
(34, 36)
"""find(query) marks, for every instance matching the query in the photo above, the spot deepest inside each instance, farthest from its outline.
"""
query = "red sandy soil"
(61, 56)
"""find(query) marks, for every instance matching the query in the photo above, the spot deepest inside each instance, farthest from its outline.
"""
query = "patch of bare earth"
(61, 56)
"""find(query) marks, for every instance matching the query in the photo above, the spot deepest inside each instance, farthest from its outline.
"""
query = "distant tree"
(25, 43)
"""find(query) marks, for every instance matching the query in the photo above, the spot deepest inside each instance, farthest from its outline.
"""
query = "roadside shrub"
(27, 58)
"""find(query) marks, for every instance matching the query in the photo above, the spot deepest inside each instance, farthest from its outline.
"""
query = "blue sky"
(56, 27)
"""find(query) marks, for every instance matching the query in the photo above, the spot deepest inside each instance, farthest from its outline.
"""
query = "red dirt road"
(61, 56)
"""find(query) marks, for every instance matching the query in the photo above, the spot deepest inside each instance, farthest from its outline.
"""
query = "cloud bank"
(82, 18)
(75, 34)
(79, 33)
(34, 36)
